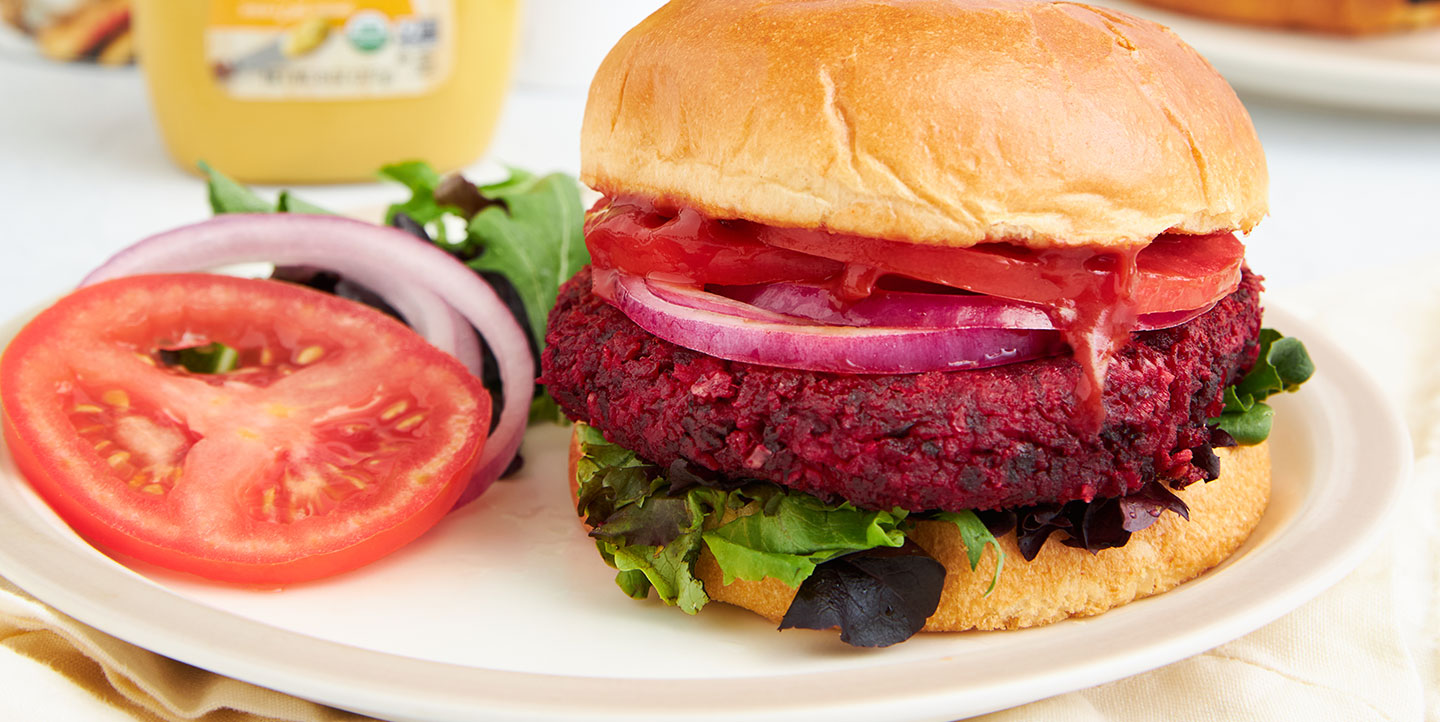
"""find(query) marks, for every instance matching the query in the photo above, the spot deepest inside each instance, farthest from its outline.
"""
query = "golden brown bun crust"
(1062, 581)
(943, 122)
(1336, 16)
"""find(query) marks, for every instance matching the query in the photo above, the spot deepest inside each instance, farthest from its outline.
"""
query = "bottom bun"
(1061, 581)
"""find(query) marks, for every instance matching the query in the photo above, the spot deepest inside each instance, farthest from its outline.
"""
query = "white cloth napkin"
(1368, 649)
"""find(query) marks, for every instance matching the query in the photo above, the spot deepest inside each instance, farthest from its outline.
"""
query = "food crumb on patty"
(990, 438)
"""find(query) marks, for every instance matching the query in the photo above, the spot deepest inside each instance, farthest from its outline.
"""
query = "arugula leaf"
(422, 180)
(227, 196)
(975, 536)
(1282, 365)
(535, 239)
(531, 233)
(289, 203)
(519, 178)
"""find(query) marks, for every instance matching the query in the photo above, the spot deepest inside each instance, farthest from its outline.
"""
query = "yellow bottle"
(315, 91)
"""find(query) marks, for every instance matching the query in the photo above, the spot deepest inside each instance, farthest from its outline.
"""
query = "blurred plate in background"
(563, 41)
(1392, 73)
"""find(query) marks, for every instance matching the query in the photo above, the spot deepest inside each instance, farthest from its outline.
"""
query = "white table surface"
(83, 173)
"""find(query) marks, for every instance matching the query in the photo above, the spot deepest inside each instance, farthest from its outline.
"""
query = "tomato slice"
(1173, 273)
(341, 436)
(685, 246)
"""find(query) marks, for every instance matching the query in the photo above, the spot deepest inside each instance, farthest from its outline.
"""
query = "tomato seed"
(309, 355)
(87, 409)
(410, 423)
(395, 409)
(118, 458)
(117, 398)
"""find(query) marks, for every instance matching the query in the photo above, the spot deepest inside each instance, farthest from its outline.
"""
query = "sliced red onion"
(702, 300)
(898, 309)
(425, 284)
(840, 349)
(908, 309)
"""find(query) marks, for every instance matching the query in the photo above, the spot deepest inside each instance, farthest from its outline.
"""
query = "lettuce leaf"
(788, 541)
(1281, 366)
(227, 196)
(976, 537)
(877, 597)
(653, 529)
(534, 237)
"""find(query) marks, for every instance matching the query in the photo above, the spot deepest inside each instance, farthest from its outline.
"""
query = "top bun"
(940, 122)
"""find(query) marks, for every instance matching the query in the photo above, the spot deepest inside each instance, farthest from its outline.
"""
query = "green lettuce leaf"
(976, 537)
(534, 237)
(227, 196)
(653, 534)
(800, 532)
(422, 180)
(1281, 366)
(289, 203)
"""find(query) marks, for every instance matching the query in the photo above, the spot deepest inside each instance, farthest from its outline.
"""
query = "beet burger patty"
(884, 293)
(981, 439)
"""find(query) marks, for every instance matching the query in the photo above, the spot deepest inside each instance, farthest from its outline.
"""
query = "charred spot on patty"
(1007, 436)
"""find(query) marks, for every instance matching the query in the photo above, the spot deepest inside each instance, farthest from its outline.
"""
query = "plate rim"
(390, 684)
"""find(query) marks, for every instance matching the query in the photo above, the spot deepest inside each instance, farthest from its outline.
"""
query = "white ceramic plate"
(1398, 72)
(505, 611)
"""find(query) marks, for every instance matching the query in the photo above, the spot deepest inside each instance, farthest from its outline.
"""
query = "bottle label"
(329, 49)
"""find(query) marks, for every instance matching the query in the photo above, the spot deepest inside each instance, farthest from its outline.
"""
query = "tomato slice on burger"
(1173, 273)
(339, 436)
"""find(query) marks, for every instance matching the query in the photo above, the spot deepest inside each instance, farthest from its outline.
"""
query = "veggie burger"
(922, 314)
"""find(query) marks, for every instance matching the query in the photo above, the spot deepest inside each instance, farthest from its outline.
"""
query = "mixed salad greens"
(523, 234)
(1282, 365)
(651, 523)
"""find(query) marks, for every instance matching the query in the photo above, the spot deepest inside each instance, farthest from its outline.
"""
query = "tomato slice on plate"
(340, 436)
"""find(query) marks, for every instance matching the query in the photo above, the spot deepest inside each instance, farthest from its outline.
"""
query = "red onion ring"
(410, 274)
(908, 309)
(702, 300)
(897, 309)
(838, 349)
